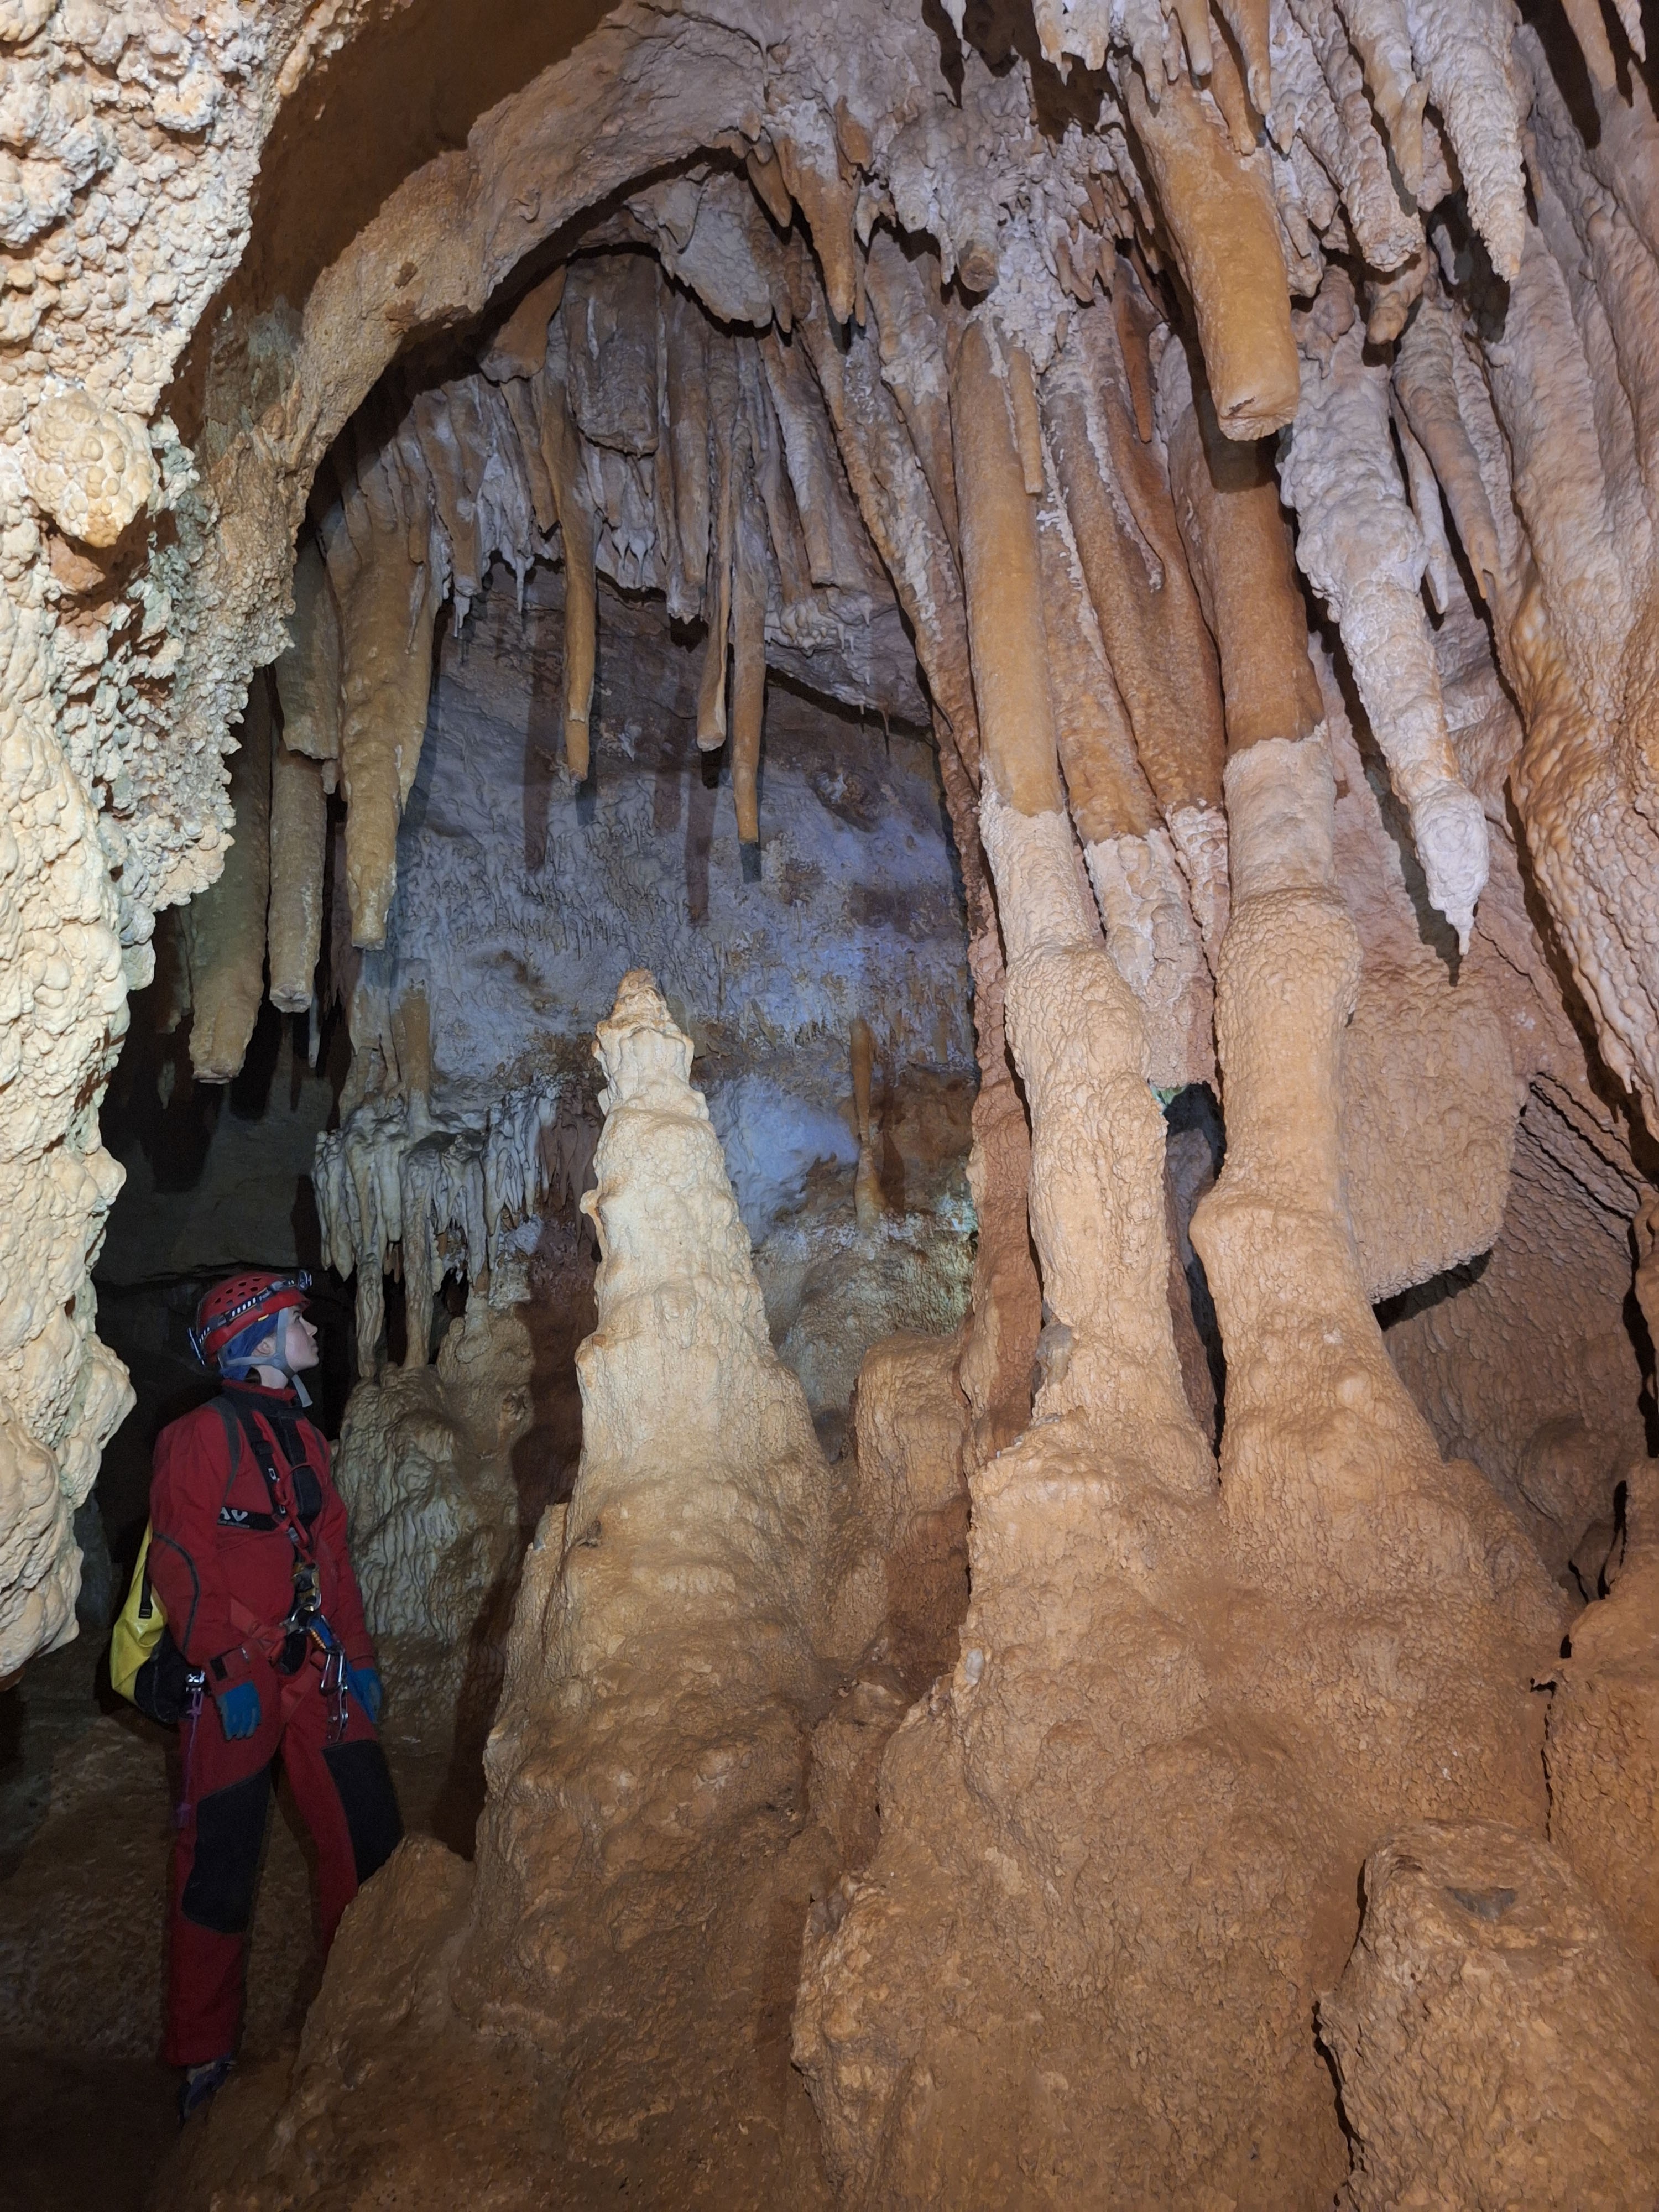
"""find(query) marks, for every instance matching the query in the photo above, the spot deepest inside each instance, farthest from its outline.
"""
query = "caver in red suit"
(240, 1499)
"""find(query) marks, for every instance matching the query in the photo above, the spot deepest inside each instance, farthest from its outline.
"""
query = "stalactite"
(399, 1188)
(299, 829)
(1361, 548)
(227, 923)
(517, 347)
(375, 543)
(689, 433)
(1220, 215)
(1227, 498)
(1129, 549)
(1130, 858)
(900, 514)
(723, 390)
(1424, 381)
(913, 363)
(837, 546)
(561, 458)
(608, 317)
(307, 675)
(748, 583)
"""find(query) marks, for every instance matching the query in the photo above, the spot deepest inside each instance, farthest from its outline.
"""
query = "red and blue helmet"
(240, 1303)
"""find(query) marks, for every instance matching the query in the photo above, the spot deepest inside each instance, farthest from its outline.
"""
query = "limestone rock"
(90, 466)
(1459, 2032)
(1603, 1748)
(425, 1466)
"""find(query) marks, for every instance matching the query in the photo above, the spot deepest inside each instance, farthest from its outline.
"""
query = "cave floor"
(86, 2106)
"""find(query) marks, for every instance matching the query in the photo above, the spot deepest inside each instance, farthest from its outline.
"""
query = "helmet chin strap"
(271, 1358)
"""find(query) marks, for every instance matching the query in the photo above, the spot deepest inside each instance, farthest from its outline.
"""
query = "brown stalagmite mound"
(1458, 2034)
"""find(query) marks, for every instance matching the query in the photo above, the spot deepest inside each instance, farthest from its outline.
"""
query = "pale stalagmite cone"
(298, 848)
(227, 922)
(866, 1188)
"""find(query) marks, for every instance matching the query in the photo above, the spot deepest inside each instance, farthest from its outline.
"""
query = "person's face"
(300, 1347)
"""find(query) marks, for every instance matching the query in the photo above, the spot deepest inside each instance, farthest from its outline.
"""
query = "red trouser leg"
(344, 1791)
(215, 1863)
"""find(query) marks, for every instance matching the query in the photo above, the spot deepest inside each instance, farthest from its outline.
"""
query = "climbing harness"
(146, 1664)
(306, 1623)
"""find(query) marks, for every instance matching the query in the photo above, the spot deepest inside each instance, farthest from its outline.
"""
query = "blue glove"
(364, 1684)
(239, 1710)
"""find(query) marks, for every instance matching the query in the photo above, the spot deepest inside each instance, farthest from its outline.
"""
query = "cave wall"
(1239, 416)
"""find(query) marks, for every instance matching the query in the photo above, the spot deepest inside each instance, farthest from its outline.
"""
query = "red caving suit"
(222, 1561)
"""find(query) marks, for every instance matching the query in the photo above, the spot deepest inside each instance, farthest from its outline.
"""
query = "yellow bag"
(146, 1667)
(138, 1631)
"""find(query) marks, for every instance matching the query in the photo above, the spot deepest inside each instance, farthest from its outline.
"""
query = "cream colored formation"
(1250, 414)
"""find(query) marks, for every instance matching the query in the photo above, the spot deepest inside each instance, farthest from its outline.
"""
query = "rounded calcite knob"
(90, 467)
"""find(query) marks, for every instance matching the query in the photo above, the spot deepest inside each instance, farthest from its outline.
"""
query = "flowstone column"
(1121, 1844)
(959, 2026)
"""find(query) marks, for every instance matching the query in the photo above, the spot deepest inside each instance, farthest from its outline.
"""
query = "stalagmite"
(1220, 216)
(1604, 1749)
(698, 1539)
(226, 923)
(299, 830)
(307, 675)
(425, 1466)
(1360, 546)
(1481, 1956)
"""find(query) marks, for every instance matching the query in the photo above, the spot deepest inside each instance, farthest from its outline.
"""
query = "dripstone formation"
(1037, 623)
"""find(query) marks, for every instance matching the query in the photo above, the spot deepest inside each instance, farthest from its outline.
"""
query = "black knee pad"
(363, 1785)
(230, 1828)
